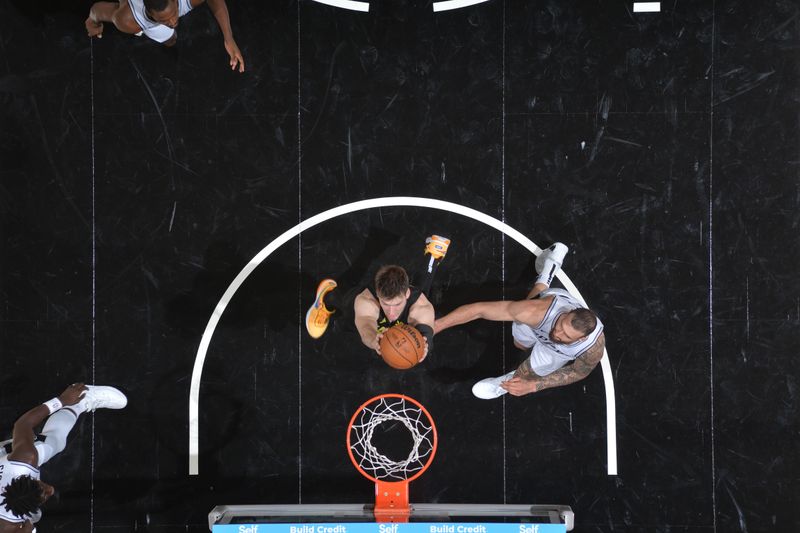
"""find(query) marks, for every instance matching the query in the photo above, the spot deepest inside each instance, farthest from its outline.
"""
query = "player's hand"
(519, 387)
(72, 394)
(424, 353)
(235, 54)
(377, 345)
(94, 29)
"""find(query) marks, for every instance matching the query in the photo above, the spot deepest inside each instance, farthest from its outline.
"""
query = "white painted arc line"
(646, 7)
(455, 4)
(346, 4)
(392, 201)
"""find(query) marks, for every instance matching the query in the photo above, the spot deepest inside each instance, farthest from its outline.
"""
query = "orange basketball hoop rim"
(391, 477)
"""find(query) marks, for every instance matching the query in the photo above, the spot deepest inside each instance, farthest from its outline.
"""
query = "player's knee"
(55, 443)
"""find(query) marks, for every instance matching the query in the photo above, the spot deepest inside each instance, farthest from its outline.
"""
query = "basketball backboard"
(422, 518)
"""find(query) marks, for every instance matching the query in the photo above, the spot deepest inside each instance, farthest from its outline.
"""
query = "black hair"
(156, 5)
(23, 496)
(583, 320)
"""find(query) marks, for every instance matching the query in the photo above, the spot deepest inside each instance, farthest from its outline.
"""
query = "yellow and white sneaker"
(436, 246)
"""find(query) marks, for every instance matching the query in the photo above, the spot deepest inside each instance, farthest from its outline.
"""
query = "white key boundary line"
(392, 201)
(346, 4)
(447, 5)
(647, 7)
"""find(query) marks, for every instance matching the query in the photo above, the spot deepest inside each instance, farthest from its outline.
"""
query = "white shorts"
(522, 335)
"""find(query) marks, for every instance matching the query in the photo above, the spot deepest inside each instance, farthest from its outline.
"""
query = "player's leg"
(547, 265)
(53, 438)
(436, 248)
(331, 300)
(328, 301)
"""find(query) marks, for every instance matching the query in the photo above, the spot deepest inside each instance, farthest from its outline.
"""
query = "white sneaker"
(489, 388)
(555, 253)
(102, 397)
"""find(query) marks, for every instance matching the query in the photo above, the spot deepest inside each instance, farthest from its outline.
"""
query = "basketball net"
(391, 476)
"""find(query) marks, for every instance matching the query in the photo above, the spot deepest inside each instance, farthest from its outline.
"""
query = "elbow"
(24, 423)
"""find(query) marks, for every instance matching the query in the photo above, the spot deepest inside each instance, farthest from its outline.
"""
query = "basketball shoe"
(318, 316)
(102, 397)
(489, 388)
(549, 261)
(436, 246)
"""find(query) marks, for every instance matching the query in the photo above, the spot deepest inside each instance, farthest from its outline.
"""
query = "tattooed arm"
(525, 381)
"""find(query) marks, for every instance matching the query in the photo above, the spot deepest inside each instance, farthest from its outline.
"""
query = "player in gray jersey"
(21, 491)
(157, 19)
(565, 340)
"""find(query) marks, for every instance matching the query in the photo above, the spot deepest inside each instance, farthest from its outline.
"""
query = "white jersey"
(548, 356)
(151, 28)
(8, 471)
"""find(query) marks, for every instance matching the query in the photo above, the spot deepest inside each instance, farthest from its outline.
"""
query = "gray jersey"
(548, 356)
(151, 28)
(8, 471)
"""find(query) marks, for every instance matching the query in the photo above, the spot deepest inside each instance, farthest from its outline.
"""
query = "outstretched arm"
(220, 11)
(526, 381)
(527, 311)
(366, 311)
(22, 448)
(118, 13)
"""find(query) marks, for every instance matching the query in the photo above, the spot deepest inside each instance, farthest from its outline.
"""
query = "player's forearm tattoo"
(579, 369)
(525, 371)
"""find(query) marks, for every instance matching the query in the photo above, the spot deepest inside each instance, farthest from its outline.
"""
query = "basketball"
(402, 346)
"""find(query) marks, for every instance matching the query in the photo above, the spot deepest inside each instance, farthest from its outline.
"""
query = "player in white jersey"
(565, 340)
(21, 490)
(158, 19)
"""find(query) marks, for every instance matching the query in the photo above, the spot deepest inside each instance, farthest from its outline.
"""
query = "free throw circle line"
(372, 203)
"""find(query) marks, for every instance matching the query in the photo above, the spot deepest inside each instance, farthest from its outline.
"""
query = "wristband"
(53, 405)
(427, 332)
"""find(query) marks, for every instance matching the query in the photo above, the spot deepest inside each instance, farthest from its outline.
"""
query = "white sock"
(549, 270)
(55, 431)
